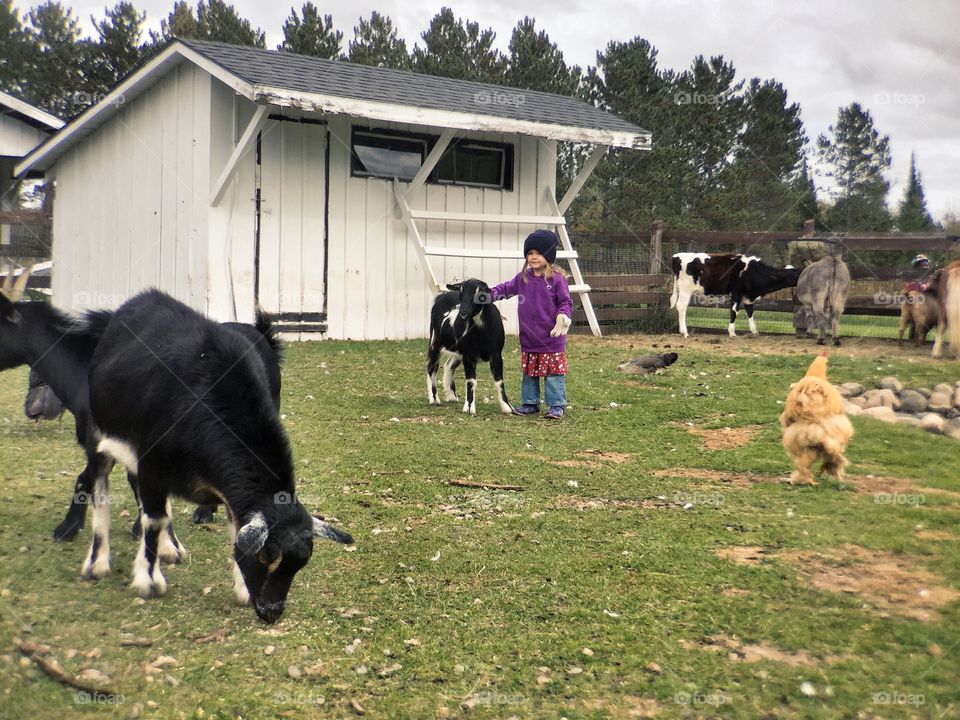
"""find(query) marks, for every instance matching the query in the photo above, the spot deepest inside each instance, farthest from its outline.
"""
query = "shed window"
(387, 155)
(478, 164)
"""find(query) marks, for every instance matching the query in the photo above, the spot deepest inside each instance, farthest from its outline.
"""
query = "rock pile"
(936, 410)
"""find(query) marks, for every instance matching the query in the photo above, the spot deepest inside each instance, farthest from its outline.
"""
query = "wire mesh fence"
(631, 279)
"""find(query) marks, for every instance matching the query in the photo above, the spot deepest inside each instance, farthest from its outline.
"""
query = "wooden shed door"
(292, 201)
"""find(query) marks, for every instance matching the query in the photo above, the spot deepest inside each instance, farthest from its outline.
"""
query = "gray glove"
(562, 326)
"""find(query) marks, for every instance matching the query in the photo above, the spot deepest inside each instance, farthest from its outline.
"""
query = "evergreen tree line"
(729, 153)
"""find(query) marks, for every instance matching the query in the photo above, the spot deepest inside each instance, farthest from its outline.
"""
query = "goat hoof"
(66, 531)
(836, 343)
(203, 514)
(821, 342)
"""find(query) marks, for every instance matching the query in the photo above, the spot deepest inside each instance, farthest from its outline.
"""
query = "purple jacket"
(540, 303)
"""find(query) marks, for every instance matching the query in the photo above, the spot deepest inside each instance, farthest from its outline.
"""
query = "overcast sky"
(899, 60)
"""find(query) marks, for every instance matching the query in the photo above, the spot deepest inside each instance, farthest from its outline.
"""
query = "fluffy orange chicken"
(815, 426)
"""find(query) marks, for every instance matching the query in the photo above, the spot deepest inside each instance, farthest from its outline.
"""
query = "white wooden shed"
(335, 196)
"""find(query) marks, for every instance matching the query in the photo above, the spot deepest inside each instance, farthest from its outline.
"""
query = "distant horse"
(948, 292)
(822, 290)
(919, 311)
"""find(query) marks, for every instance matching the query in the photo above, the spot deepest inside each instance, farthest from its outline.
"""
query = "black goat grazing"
(42, 402)
(181, 401)
(466, 325)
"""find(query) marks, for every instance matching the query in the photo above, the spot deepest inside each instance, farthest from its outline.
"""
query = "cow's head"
(272, 546)
(474, 295)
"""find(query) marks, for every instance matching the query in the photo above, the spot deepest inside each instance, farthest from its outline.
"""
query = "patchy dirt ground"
(747, 345)
(888, 583)
(724, 438)
(738, 480)
(735, 649)
(574, 502)
(590, 458)
(894, 486)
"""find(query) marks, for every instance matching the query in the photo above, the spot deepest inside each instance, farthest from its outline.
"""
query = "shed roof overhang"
(46, 155)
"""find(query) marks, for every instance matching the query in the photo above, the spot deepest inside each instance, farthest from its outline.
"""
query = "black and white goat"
(466, 326)
(183, 403)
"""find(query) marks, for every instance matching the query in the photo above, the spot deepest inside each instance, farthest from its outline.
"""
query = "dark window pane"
(472, 165)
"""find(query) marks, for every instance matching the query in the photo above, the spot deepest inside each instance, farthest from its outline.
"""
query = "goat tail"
(328, 531)
(951, 302)
(265, 327)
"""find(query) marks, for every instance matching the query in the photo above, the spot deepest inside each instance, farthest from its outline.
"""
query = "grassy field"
(857, 326)
(654, 563)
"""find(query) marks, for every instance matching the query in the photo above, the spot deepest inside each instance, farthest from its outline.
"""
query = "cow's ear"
(252, 536)
(454, 286)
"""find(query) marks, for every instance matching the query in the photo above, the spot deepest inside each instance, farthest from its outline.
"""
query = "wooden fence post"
(656, 248)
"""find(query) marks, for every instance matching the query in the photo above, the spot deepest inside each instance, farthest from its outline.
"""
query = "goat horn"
(20, 286)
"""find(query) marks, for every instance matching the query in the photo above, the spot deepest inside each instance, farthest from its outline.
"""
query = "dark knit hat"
(544, 242)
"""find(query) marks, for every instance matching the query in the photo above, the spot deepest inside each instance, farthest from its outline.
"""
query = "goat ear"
(326, 530)
(252, 536)
(454, 286)
(8, 312)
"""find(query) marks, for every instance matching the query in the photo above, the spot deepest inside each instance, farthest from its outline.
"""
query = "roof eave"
(414, 115)
(39, 116)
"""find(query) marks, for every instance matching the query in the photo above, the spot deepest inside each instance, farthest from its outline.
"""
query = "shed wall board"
(18, 138)
(126, 215)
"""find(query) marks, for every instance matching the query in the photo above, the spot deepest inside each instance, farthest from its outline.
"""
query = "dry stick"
(487, 486)
(136, 642)
(53, 668)
(215, 635)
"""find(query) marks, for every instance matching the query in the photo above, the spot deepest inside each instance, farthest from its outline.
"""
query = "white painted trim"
(109, 105)
(253, 127)
(490, 254)
(430, 162)
(483, 218)
(34, 113)
(393, 112)
(582, 287)
(415, 236)
(578, 182)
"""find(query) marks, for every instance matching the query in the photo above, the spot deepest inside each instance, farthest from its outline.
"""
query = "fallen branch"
(486, 486)
(136, 642)
(215, 635)
(52, 667)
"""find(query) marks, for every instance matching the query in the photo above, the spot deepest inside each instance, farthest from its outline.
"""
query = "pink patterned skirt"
(543, 364)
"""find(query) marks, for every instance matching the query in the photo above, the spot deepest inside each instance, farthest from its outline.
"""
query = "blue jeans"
(554, 387)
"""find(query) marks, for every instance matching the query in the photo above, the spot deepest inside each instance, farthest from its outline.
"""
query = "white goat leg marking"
(97, 563)
(504, 405)
(169, 549)
(120, 451)
(239, 584)
(451, 396)
(431, 388)
(753, 326)
(144, 583)
(471, 407)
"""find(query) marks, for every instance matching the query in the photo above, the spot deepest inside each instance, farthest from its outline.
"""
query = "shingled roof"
(269, 77)
(304, 74)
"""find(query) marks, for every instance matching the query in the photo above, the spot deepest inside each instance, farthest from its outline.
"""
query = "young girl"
(545, 312)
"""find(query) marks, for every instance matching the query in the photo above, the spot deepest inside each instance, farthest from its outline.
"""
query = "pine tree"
(913, 215)
(181, 23)
(214, 20)
(312, 35)
(856, 156)
(14, 51)
(459, 50)
(535, 63)
(375, 42)
(119, 49)
(57, 80)
(805, 197)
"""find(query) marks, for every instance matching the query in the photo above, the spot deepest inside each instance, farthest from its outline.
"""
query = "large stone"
(912, 402)
(886, 414)
(926, 392)
(945, 388)
(956, 398)
(849, 389)
(952, 428)
(852, 409)
(860, 402)
(890, 383)
(907, 419)
(933, 423)
(882, 398)
(940, 402)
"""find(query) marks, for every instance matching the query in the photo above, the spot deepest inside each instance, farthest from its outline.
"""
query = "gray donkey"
(822, 291)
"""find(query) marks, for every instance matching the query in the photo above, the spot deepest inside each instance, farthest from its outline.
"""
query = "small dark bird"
(42, 403)
(648, 364)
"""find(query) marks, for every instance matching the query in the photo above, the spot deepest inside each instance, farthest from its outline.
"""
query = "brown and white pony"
(948, 292)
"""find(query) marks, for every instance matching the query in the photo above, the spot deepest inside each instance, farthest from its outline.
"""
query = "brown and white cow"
(745, 278)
